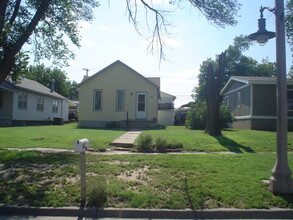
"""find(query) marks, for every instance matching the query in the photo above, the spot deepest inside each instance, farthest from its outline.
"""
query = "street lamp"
(262, 35)
(280, 181)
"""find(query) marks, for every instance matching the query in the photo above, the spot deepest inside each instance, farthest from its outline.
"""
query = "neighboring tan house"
(253, 102)
(30, 103)
(166, 112)
(118, 96)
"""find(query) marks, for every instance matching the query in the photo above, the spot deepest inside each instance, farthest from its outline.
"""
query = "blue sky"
(111, 37)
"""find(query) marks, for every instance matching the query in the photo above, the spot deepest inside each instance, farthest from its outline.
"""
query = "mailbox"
(81, 145)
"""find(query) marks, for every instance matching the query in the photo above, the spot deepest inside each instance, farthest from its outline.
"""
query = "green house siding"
(264, 100)
(235, 85)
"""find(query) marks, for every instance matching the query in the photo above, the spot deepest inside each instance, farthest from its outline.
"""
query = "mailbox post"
(81, 146)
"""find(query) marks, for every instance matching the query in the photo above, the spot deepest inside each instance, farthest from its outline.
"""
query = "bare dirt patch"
(121, 162)
(137, 175)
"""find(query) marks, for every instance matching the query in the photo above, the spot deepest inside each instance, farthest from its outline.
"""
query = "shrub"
(145, 142)
(196, 118)
(97, 194)
(225, 116)
(113, 124)
(161, 144)
(176, 145)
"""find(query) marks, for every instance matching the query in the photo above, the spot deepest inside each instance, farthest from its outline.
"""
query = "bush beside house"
(197, 116)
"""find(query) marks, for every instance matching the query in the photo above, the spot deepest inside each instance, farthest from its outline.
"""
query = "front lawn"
(55, 136)
(63, 137)
(232, 140)
(142, 181)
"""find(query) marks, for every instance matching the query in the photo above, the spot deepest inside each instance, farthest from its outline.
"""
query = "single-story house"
(253, 102)
(30, 103)
(119, 96)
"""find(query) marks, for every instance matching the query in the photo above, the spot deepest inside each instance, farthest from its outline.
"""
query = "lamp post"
(280, 181)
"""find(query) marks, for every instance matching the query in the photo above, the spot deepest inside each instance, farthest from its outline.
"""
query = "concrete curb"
(149, 213)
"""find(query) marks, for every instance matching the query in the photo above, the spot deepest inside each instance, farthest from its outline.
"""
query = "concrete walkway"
(8, 212)
(126, 140)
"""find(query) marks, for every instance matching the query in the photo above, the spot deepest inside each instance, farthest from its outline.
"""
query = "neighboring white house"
(166, 111)
(30, 103)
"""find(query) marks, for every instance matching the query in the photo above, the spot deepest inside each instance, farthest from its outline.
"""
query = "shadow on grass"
(187, 193)
(33, 157)
(232, 145)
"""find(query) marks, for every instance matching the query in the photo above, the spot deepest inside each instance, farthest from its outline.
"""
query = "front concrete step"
(138, 124)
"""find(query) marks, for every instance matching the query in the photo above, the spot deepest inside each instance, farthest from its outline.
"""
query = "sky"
(193, 39)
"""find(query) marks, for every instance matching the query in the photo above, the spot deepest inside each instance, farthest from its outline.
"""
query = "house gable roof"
(164, 94)
(115, 63)
(249, 80)
(31, 86)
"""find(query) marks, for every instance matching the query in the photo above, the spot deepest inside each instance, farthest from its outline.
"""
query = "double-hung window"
(97, 99)
(55, 106)
(120, 100)
(40, 103)
(22, 100)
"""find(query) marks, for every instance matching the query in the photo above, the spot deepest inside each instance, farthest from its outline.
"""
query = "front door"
(141, 105)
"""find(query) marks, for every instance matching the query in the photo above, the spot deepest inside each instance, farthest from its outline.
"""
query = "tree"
(45, 76)
(45, 22)
(214, 82)
(42, 22)
(74, 94)
(237, 64)
(289, 21)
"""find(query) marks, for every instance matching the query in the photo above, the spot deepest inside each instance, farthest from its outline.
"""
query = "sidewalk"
(126, 140)
(88, 213)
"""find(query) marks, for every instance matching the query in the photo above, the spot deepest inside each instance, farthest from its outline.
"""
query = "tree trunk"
(7, 61)
(214, 82)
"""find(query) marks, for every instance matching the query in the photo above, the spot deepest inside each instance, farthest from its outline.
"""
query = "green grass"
(53, 136)
(63, 137)
(142, 181)
(232, 140)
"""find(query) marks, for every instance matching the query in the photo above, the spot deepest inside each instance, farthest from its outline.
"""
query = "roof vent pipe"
(53, 85)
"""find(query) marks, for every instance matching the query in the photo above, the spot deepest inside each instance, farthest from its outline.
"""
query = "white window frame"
(40, 103)
(120, 104)
(22, 100)
(239, 99)
(55, 106)
(101, 100)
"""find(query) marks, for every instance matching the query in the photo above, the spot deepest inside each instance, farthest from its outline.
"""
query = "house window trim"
(123, 101)
(239, 99)
(42, 103)
(22, 95)
(55, 107)
(94, 100)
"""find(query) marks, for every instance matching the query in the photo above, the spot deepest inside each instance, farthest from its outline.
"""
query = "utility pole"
(87, 71)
